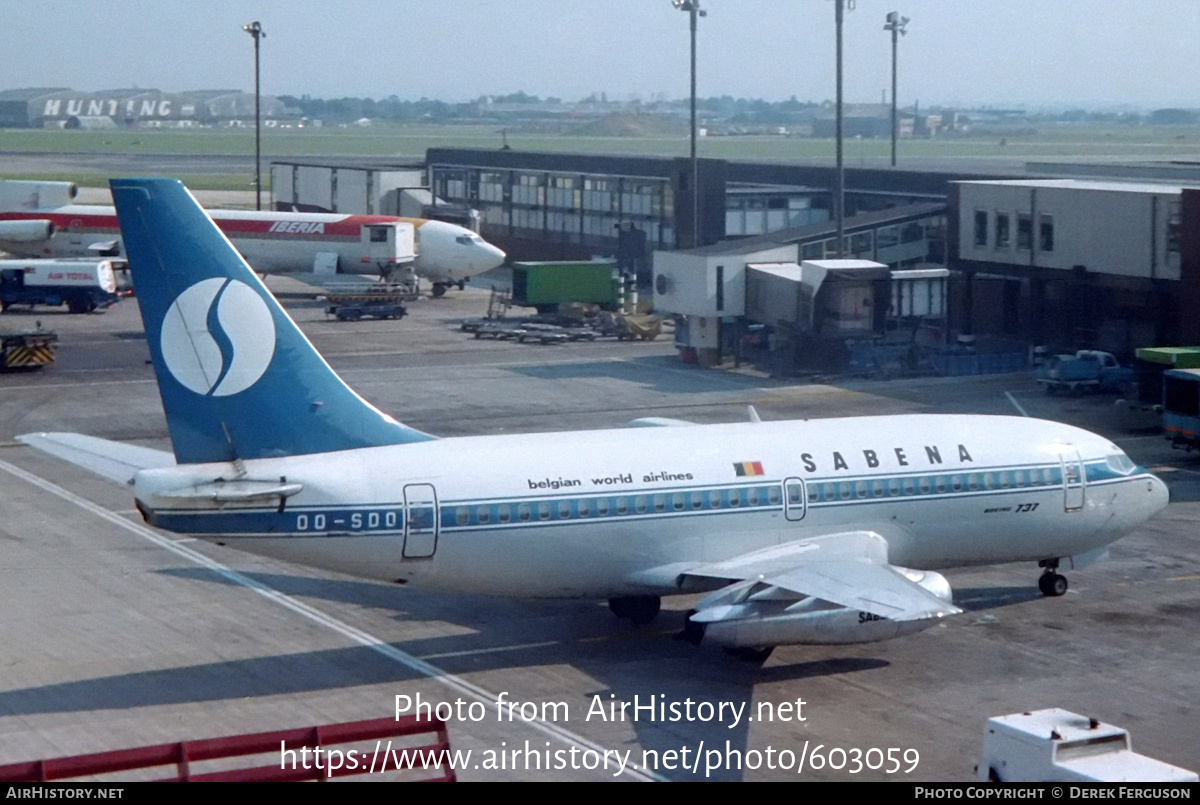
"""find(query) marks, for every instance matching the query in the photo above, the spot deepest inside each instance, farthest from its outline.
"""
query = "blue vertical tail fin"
(237, 377)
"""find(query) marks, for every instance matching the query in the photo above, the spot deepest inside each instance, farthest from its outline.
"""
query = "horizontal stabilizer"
(114, 460)
(848, 569)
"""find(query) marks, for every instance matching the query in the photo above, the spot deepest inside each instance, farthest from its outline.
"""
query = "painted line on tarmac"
(78, 385)
(455, 683)
(1016, 404)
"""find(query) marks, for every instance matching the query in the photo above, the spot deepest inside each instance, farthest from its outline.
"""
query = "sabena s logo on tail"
(218, 337)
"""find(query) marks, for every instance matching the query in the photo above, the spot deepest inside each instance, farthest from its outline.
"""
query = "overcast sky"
(1099, 53)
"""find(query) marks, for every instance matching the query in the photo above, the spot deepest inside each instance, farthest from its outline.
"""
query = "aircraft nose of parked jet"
(1160, 496)
(491, 258)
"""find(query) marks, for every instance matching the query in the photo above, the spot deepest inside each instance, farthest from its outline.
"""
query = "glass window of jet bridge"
(483, 515)
(564, 510)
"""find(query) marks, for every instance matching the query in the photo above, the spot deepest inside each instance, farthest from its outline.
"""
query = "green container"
(1175, 357)
(546, 285)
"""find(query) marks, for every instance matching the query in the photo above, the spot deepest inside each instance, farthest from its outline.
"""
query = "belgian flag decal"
(745, 468)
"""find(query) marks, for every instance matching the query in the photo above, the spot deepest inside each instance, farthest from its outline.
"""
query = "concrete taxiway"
(115, 635)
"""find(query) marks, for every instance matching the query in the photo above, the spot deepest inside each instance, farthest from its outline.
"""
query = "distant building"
(57, 107)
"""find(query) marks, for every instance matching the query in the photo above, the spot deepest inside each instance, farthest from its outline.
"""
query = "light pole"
(255, 30)
(839, 194)
(692, 7)
(895, 24)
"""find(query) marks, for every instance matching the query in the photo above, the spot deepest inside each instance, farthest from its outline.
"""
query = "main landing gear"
(1052, 584)
(640, 609)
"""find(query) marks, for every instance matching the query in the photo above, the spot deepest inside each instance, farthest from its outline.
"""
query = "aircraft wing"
(849, 569)
(116, 461)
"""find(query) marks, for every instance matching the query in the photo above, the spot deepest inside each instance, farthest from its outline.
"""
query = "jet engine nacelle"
(765, 622)
(20, 195)
(32, 231)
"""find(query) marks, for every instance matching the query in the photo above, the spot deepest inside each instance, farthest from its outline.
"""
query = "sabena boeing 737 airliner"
(822, 531)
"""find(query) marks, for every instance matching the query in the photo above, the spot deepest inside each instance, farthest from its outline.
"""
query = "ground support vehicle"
(81, 285)
(27, 350)
(1058, 746)
(352, 307)
(1181, 407)
(1087, 369)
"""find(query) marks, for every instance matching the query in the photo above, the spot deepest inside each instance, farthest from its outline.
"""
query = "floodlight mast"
(896, 24)
(692, 7)
(256, 31)
(839, 195)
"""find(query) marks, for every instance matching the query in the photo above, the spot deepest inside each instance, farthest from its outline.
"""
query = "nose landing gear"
(1052, 584)
(641, 609)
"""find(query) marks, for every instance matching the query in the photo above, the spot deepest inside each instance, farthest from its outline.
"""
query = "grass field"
(406, 143)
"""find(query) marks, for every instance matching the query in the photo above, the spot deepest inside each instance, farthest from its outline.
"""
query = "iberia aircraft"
(822, 531)
(37, 219)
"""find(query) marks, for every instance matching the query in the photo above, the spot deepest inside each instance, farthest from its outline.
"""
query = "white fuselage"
(621, 512)
(444, 253)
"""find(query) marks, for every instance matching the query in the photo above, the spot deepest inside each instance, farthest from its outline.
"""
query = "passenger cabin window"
(981, 227)
(622, 506)
(523, 512)
(773, 495)
(602, 507)
(714, 499)
(697, 500)
(503, 513)
(735, 497)
(484, 515)
(564, 509)
(543, 511)
(639, 504)
(660, 503)
(462, 515)
(677, 501)
(584, 507)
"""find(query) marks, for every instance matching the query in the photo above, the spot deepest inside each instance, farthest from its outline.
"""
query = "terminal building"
(1034, 259)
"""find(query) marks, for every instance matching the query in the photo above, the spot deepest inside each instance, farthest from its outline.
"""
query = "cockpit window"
(465, 240)
(1120, 463)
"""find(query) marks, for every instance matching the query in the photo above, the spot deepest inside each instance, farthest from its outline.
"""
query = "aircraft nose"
(1159, 494)
(492, 256)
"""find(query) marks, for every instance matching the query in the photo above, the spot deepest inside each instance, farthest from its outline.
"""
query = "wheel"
(462, 285)
(439, 290)
(640, 609)
(1052, 585)
(751, 654)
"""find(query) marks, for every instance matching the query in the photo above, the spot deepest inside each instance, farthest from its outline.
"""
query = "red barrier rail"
(184, 753)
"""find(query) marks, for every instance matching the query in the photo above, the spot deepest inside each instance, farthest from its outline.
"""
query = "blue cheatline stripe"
(493, 513)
